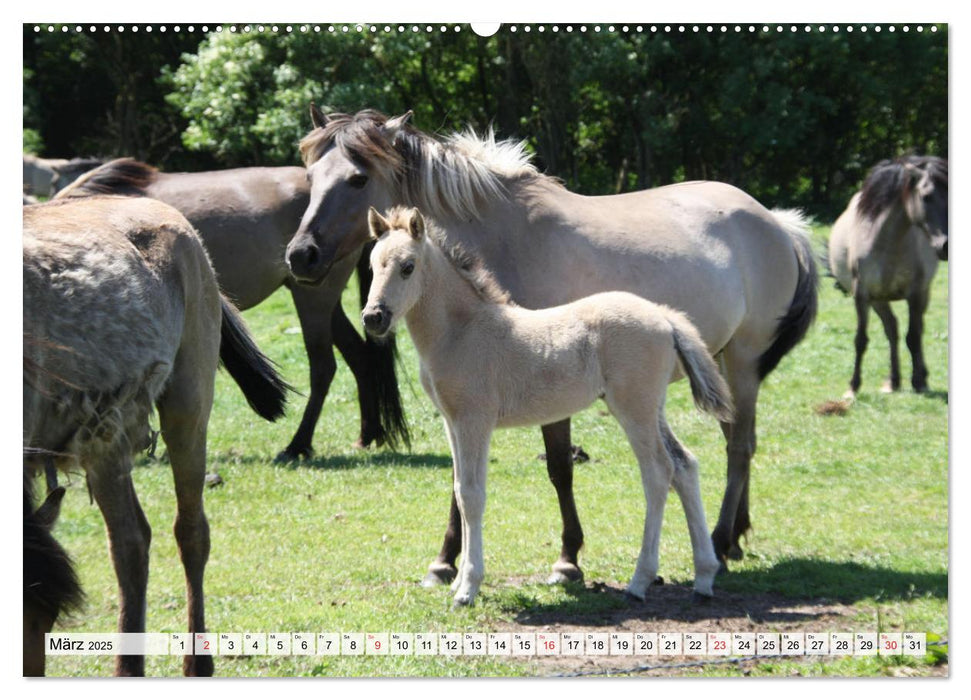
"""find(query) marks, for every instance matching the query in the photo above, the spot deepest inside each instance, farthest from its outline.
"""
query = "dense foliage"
(795, 118)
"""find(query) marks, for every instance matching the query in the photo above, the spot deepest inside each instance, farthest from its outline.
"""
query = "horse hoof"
(722, 568)
(200, 666)
(734, 552)
(849, 395)
(439, 575)
(634, 597)
(293, 455)
(659, 581)
(888, 387)
(565, 572)
(699, 598)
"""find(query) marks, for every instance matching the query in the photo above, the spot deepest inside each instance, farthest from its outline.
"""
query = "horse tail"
(253, 371)
(795, 323)
(50, 582)
(122, 176)
(708, 387)
(382, 359)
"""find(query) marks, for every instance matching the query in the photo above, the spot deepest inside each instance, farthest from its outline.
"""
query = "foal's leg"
(689, 491)
(129, 536)
(890, 328)
(559, 466)
(314, 305)
(733, 518)
(471, 443)
(917, 305)
(860, 343)
(442, 570)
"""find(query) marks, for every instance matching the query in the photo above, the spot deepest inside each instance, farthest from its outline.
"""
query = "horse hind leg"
(129, 537)
(889, 321)
(688, 488)
(741, 372)
(559, 467)
(860, 342)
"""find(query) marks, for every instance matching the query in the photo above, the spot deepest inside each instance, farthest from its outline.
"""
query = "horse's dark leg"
(356, 354)
(129, 536)
(443, 569)
(860, 343)
(50, 474)
(559, 466)
(733, 518)
(315, 309)
(890, 328)
(917, 305)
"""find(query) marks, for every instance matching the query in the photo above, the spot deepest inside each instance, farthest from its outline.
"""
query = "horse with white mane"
(487, 363)
(744, 275)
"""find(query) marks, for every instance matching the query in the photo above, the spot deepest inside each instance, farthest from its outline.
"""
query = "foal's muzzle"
(377, 319)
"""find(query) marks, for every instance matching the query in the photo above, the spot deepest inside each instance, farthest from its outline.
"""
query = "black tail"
(382, 359)
(50, 583)
(125, 176)
(253, 371)
(794, 325)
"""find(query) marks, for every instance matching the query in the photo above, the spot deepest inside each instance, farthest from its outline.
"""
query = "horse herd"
(526, 303)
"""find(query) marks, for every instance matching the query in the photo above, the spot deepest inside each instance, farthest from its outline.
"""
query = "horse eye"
(407, 267)
(357, 181)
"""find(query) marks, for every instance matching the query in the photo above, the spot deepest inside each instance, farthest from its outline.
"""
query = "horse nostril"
(372, 319)
(304, 259)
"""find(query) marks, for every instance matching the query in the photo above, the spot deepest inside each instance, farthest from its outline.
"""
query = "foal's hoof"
(439, 575)
(462, 601)
(698, 598)
(565, 572)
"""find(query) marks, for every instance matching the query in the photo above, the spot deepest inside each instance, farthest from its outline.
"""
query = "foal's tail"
(708, 387)
(795, 323)
(253, 371)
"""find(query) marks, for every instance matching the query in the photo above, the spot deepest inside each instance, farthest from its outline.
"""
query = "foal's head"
(396, 263)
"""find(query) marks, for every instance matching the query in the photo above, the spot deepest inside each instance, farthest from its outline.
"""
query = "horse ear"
(417, 225)
(377, 223)
(317, 118)
(393, 125)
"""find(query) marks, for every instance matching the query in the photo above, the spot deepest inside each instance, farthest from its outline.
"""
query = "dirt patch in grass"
(670, 608)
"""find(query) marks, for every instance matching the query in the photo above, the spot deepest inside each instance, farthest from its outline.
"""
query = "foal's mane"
(468, 265)
(889, 181)
(449, 177)
(122, 176)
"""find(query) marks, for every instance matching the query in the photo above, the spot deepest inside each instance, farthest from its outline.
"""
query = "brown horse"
(885, 247)
(122, 313)
(246, 217)
(51, 586)
(744, 275)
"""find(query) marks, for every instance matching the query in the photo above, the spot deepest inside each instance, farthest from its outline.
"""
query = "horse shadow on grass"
(334, 462)
(792, 591)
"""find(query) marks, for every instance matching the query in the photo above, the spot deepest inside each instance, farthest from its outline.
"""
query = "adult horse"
(745, 276)
(51, 585)
(246, 217)
(122, 313)
(45, 176)
(885, 247)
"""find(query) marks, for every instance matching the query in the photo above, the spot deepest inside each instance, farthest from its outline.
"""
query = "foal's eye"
(407, 267)
(357, 181)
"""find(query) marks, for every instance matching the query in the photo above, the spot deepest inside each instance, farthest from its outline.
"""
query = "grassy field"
(850, 522)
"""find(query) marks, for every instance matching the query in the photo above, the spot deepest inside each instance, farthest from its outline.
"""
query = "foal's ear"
(377, 223)
(416, 227)
(393, 125)
(317, 118)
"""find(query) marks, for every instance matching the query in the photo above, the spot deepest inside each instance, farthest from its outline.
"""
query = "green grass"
(851, 509)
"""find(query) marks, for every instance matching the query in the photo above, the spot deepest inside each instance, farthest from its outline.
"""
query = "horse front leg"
(443, 570)
(860, 342)
(471, 441)
(917, 305)
(129, 537)
(559, 467)
(890, 329)
(314, 308)
(357, 354)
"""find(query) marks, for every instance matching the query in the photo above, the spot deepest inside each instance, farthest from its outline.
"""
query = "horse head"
(925, 200)
(351, 165)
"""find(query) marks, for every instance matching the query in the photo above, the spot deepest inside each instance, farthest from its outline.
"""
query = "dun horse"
(490, 364)
(51, 586)
(122, 313)
(246, 217)
(885, 247)
(745, 276)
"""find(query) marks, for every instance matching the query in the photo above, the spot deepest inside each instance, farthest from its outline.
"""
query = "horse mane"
(449, 177)
(889, 181)
(122, 176)
(50, 581)
(468, 265)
